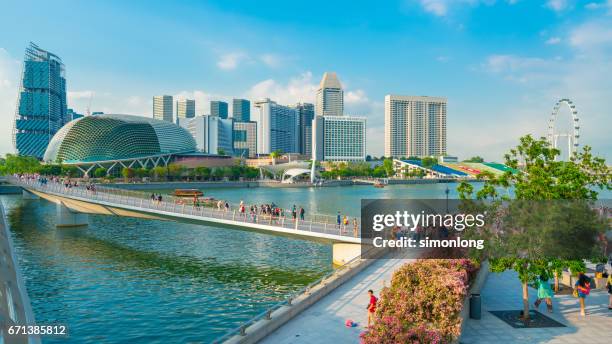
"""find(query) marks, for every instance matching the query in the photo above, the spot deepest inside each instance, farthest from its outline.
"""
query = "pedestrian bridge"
(74, 203)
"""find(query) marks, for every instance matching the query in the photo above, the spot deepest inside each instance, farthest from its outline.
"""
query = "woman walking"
(581, 290)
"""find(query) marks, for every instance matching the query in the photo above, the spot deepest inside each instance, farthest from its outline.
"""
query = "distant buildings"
(336, 137)
(185, 108)
(415, 126)
(339, 138)
(72, 115)
(212, 134)
(305, 113)
(277, 129)
(245, 139)
(330, 96)
(41, 106)
(162, 108)
(218, 108)
(241, 110)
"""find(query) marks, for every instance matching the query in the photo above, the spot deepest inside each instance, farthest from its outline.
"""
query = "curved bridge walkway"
(319, 228)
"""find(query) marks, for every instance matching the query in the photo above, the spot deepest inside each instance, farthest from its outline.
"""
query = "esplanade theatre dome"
(115, 137)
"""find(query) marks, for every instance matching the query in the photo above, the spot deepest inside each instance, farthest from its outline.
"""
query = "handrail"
(241, 330)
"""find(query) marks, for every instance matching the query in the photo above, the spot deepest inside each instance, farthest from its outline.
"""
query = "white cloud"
(443, 59)
(9, 88)
(299, 89)
(599, 5)
(592, 36)
(442, 8)
(436, 7)
(511, 63)
(231, 61)
(553, 41)
(557, 5)
(271, 60)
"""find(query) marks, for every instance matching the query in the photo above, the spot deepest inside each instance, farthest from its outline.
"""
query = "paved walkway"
(323, 322)
(503, 292)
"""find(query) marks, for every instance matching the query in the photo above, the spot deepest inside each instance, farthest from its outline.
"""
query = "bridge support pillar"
(66, 217)
(342, 253)
(28, 195)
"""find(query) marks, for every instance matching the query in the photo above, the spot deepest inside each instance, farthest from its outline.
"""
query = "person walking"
(544, 292)
(371, 307)
(609, 286)
(345, 223)
(338, 220)
(302, 213)
(582, 290)
(355, 228)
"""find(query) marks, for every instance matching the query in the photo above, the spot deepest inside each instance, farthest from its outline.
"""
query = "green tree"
(158, 172)
(221, 151)
(388, 167)
(540, 177)
(50, 170)
(127, 173)
(429, 162)
(275, 155)
(69, 171)
(142, 172)
(475, 159)
(19, 164)
(176, 170)
(100, 172)
(202, 172)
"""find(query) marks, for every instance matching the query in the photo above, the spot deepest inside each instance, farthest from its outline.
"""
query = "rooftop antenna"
(88, 109)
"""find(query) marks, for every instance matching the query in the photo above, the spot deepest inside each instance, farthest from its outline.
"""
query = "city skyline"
(498, 75)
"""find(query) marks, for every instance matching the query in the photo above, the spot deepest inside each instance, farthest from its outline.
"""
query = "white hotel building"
(415, 126)
(336, 137)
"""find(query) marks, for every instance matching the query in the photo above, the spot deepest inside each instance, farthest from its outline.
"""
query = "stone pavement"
(324, 321)
(503, 292)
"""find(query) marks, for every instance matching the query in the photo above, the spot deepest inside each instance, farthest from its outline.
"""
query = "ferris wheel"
(572, 134)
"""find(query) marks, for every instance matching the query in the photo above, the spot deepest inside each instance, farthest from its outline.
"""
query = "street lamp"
(447, 191)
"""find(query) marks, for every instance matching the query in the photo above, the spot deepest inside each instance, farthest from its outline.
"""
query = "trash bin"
(475, 306)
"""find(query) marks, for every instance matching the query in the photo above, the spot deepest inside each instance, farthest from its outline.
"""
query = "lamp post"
(447, 191)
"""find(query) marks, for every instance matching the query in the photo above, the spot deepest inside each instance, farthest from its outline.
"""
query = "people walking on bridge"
(582, 290)
(355, 228)
(371, 307)
(345, 223)
(294, 212)
(302, 213)
(338, 221)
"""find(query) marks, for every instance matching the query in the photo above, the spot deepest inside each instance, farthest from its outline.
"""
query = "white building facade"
(213, 135)
(339, 138)
(277, 128)
(415, 126)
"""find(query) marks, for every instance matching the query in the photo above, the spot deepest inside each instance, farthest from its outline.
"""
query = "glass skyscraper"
(41, 107)
(241, 110)
(218, 108)
(306, 113)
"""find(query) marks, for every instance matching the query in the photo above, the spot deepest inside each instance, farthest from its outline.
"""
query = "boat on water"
(188, 193)
(379, 185)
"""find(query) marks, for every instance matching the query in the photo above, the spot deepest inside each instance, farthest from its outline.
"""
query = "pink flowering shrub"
(423, 303)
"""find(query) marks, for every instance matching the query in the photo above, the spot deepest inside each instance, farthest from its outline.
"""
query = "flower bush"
(423, 303)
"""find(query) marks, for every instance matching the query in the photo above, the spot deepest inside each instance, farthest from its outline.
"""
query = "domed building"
(111, 139)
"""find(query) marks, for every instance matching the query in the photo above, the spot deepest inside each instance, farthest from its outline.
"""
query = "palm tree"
(275, 155)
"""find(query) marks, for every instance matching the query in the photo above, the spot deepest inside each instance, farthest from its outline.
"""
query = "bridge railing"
(314, 223)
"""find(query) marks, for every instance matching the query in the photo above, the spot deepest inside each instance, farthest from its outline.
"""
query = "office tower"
(241, 110)
(305, 113)
(41, 105)
(162, 108)
(330, 97)
(245, 139)
(213, 135)
(218, 108)
(277, 129)
(415, 126)
(72, 115)
(339, 138)
(185, 108)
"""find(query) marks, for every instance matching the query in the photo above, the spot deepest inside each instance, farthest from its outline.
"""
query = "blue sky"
(501, 64)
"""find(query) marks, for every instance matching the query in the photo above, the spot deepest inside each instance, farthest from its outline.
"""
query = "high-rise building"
(41, 106)
(330, 96)
(305, 113)
(185, 108)
(218, 108)
(245, 139)
(213, 135)
(415, 126)
(162, 108)
(241, 110)
(339, 138)
(277, 129)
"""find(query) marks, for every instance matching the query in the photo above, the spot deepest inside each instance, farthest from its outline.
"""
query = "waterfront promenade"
(503, 292)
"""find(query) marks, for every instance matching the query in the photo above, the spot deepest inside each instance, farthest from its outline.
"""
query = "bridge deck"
(122, 199)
